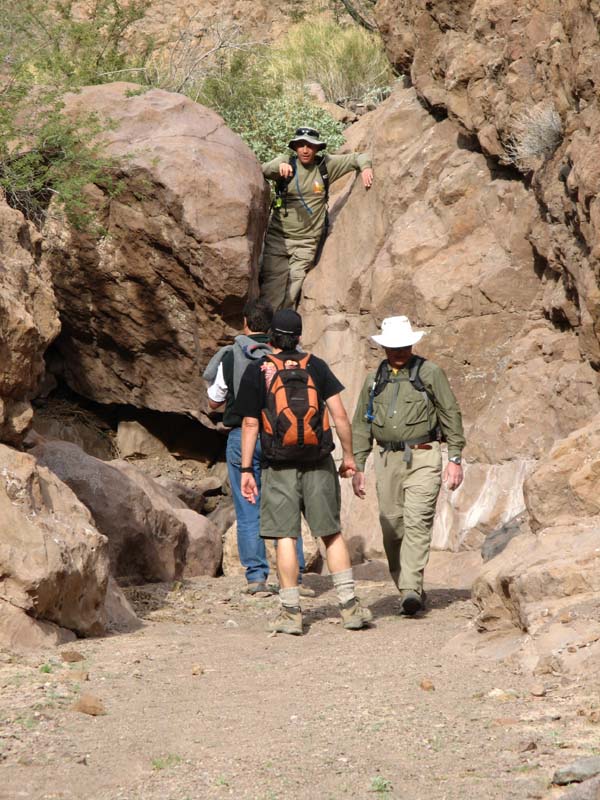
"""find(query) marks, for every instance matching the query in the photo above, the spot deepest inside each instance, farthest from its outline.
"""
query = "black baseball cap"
(287, 321)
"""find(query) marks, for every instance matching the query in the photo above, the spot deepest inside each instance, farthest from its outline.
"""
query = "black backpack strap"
(322, 164)
(281, 187)
(379, 382)
(413, 376)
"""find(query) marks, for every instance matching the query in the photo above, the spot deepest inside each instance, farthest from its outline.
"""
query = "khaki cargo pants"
(284, 266)
(407, 495)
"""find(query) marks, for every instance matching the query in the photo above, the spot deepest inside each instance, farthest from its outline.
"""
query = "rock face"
(442, 238)
(143, 304)
(566, 484)
(547, 583)
(146, 541)
(520, 81)
(28, 320)
(204, 552)
(500, 70)
(260, 21)
(151, 532)
(54, 563)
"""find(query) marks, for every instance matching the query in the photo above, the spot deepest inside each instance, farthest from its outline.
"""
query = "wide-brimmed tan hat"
(309, 135)
(397, 332)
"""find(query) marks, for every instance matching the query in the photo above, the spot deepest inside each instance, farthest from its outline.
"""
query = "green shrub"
(257, 106)
(348, 62)
(52, 43)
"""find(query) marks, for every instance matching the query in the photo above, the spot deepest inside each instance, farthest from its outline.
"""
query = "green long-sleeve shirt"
(307, 191)
(401, 413)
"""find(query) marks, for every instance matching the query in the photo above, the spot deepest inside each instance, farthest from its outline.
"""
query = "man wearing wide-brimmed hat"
(299, 220)
(407, 407)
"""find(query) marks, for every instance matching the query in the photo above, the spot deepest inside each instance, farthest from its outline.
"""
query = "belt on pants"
(406, 446)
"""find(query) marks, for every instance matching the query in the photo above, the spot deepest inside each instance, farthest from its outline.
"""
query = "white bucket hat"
(397, 332)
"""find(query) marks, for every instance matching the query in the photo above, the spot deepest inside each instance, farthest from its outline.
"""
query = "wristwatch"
(455, 459)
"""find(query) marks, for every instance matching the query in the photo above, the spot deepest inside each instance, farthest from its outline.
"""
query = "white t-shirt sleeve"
(217, 391)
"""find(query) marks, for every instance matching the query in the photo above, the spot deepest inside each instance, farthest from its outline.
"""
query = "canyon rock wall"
(499, 69)
(443, 238)
(28, 320)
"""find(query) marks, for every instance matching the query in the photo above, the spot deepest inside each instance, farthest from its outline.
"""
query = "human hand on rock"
(367, 177)
(285, 170)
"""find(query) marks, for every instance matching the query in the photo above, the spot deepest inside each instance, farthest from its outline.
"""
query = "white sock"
(290, 598)
(343, 583)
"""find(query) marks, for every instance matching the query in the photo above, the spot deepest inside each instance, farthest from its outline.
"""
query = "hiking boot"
(411, 602)
(306, 591)
(289, 620)
(258, 589)
(354, 616)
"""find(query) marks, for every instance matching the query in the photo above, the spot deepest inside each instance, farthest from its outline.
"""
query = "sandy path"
(333, 714)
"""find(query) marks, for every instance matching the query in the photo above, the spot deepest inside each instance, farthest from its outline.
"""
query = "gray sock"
(343, 583)
(290, 598)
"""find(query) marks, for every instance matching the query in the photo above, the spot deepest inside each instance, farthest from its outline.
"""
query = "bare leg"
(338, 557)
(287, 562)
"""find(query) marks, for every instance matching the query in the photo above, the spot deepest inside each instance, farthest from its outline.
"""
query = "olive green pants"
(284, 266)
(407, 495)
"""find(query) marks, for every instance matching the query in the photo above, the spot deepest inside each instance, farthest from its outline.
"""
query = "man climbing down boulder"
(299, 219)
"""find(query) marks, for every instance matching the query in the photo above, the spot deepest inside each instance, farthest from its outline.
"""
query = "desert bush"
(255, 104)
(46, 49)
(348, 62)
(535, 134)
(198, 53)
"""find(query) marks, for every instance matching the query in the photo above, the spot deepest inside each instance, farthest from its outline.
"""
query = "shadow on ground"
(389, 606)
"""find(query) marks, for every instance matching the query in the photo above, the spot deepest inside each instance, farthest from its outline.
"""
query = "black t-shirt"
(252, 394)
(230, 419)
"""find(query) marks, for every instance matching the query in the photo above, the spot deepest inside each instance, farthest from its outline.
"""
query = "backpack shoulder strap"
(413, 375)
(281, 186)
(380, 380)
(322, 164)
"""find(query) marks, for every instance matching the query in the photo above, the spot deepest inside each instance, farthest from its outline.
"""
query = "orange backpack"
(295, 423)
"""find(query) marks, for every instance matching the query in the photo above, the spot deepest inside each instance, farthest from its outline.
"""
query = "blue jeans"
(251, 547)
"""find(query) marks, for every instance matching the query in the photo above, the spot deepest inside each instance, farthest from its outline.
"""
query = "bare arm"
(250, 429)
(213, 404)
(344, 432)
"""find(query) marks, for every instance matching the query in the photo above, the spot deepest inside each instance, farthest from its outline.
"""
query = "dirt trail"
(202, 703)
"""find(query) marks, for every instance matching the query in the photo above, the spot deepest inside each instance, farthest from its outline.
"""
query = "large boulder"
(146, 540)
(566, 484)
(442, 238)
(143, 303)
(28, 320)
(536, 573)
(53, 562)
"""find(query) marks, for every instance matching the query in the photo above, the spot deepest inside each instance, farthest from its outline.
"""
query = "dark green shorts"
(289, 492)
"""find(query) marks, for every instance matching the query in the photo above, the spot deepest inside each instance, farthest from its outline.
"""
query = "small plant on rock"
(536, 133)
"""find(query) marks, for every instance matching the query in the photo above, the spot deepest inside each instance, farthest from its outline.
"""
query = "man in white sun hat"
(299, 219)
(407, 407)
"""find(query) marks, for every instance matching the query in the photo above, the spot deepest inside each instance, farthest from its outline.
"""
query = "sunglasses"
(307, 132)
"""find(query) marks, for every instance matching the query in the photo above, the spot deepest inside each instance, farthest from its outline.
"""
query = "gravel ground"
(201, 702)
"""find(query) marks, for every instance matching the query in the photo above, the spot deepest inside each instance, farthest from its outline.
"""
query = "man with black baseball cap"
(287, 398)
(299, 219)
